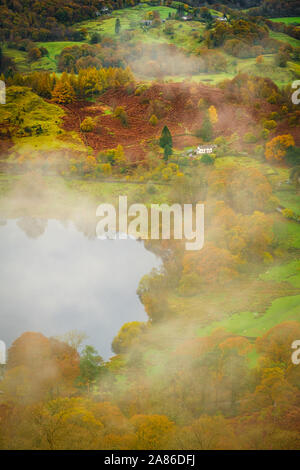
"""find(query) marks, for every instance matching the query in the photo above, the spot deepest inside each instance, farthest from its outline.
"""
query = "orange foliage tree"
(276, 149)
(43, 365)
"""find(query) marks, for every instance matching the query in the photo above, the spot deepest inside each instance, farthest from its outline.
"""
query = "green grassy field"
(289, 272)
(54, 49)
(289, 199)
(285, 38)
(281, 76)
(129, 17)
(291, 20)
(252, 325)
(274, 175)
(45, 63)
(19, 57)
(287, 233)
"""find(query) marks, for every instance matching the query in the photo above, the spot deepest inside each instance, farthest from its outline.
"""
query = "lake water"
(55, 279)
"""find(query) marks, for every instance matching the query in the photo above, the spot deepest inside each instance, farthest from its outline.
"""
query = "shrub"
(151, 189)
(271, 124)
(274, 116)
(121, 114)
(293, 156)
(87, 125)
(265, 134)
(207, 159)
(153, 120)
(259, 150)
(140, 89)
(288, 213)
(202, 104)
(271, 204)
(250, 138)
(95, 38)
(34, 54)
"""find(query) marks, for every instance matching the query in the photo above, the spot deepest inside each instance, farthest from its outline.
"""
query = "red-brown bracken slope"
(180, 112)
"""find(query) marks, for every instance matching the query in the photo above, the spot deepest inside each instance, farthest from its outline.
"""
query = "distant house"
(202, 149)
(223, 18)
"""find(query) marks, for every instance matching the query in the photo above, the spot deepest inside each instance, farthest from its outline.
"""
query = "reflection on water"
(54, 279)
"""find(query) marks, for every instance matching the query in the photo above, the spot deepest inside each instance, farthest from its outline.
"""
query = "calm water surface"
(54, 279)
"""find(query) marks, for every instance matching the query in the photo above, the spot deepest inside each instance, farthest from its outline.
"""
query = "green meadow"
(290, 20)
(285, 38)
(289, 200)
(252, 325)
(289, 272)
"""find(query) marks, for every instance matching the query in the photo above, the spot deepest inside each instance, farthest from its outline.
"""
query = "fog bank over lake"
(61, 280)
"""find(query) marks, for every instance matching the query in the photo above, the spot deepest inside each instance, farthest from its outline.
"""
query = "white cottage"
(203, 149)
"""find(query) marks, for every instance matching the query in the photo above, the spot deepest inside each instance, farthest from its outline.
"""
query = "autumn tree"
(45, 365)
(277, 148)
(275, 345)
(212, 264)
(63, 92)
(213, 115)
(152, 431)
(205, 433)
(127, 336)
(87, 125)
(151, 292)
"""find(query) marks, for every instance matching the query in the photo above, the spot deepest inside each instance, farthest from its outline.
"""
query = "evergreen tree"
(166, 138)
(90, 366)
(167, 152)
(206, 131)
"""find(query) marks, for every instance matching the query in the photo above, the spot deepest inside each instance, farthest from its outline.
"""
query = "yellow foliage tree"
(63, 92)
(213, 114)
(277, 147)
